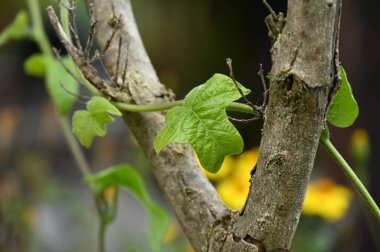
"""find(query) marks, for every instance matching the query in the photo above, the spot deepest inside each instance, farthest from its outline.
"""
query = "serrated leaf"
(202, 122)
(17, 30)
(61, 86)
(35, 65)
(91, 123)
(344, 109)
(126, 177)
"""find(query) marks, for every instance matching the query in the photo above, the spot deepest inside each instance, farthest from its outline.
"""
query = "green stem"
(147, 108)
(241, 107)
(352, 176)
(42, 41)
(64, 14)
(74, 147)
(234, 106)
(102, 235)
(38, 31)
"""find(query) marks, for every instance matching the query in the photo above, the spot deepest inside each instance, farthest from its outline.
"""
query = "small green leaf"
(35, 65)
(126, 177)
(91, 123)
(101, 105)
(17, 30)
(61, 86)
(202, 122)
(343, 110)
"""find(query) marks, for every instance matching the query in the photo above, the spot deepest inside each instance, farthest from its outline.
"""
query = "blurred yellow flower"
(326, 199)
(172, 233)
(232, 180)
(110, 194)
(224, 171)
(233, 192)
(360, 145)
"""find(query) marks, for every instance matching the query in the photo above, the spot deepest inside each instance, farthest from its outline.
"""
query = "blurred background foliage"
(44, 204)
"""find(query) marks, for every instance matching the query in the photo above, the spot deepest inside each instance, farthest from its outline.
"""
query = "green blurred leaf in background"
(17, 30)
(61, 86)
(126, 177)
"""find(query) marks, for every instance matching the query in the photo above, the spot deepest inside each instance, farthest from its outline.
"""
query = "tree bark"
(305, 74)
(188, 191)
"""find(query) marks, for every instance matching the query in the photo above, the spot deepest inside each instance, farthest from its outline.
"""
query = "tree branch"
(303, 74)
(188, 191)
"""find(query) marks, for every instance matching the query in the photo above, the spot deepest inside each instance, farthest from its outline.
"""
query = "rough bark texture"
(186, 188)
(304, 75)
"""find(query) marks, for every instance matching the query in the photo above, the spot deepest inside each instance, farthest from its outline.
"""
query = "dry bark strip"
(304, 75)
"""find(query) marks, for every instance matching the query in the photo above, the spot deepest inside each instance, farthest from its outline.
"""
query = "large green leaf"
(17, 30)
(61, 86)
(92, 122)
(343, 110)
(202, 122)
(126, 177)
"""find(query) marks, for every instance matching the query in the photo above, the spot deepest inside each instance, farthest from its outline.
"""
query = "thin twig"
(229, 64)
(243, 120)
(118, 60)
(73, 24)
(58, 56)
(77, 96)
(108, 42)
(91, 31)
(125, 66)
(265, 93)
(253, 106)
(269, 7)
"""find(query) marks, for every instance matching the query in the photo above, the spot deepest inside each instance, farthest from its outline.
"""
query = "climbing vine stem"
(352, 176)
(234, 106)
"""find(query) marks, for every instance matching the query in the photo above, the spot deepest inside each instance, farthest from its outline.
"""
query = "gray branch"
(305, 74)
(189, 193)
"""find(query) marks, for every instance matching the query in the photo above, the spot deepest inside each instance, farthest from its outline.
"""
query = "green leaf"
(100, 105)
(126, 177)
(35, 65)
(343, 110)
(17, 30)
(91, 123)
(61, 86)
(202, 122)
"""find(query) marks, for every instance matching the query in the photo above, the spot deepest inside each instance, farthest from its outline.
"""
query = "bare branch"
(73, 24)
(260, 73)
(192, 197)
(91, 32)
(88, 71)
(68, 70)
(256, 108)
(118, 60)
